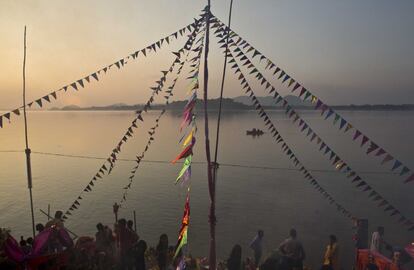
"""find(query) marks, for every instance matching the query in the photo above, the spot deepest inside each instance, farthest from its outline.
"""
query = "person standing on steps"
(257, 246)
(292, 252)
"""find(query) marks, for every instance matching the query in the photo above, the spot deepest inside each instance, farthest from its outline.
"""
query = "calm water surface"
(247, 198)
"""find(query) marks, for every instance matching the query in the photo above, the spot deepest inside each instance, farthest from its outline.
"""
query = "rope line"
(193, 162)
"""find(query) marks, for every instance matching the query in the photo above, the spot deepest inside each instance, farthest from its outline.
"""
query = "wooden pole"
(49, 217)
(27, 150)
(215, 163)
(211, 183)
(48, 211)
(135, 221)
(116, 208)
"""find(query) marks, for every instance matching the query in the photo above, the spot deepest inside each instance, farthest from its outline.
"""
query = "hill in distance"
(270, 102)
(239, 103)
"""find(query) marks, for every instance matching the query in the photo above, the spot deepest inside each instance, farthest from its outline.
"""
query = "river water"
(247, 198)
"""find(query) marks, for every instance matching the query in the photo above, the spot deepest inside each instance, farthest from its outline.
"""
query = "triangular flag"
(337, 117)
(281, 75)
(357, 134)
(186, 166)
(364, 140)
(330, 112)
(397, 164)
(80, 82)
(348, 127)
(404, 171)
(74, 86)
(297, 85)
(95, 76)
(380, 152)
(409, 179)
(342, 124)
(302, 91)
(291, 82)
(307, 95)
(372, 148)
(39, 102)
(387, 158)
(287, 77)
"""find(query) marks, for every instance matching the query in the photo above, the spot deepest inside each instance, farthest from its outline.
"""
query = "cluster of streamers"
(327, 112)
(337, 162)
(110, 162)
(151, 133)
(188, 140)
(182, 236)
(279, 139)
(95, 76)
(188, 124)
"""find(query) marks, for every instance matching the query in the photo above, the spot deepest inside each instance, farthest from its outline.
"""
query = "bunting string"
(138, 159)
(95, 76)
(188, 123)
(151, 133)
(326, 111)
(188, 142)
(319, 170)
(109, 163)
(336, 161)
(279, 140)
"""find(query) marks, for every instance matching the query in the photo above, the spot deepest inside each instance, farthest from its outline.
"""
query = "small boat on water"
(254, 132)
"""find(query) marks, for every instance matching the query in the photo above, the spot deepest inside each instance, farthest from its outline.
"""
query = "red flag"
(186, 152)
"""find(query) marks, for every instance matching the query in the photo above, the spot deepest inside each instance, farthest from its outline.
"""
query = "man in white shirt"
(377, 241)
(257, 246)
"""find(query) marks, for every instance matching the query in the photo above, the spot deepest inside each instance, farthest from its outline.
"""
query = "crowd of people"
(122, 248)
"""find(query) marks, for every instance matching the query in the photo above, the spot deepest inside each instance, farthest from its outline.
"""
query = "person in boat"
(25, 247)
(377, 241)
(331, 258)
(292, 252)
(234, 262)
(57, 221)
(39, 227)
(162, 252)
(104, 245)
(130, 225)
(103, 239)
(257, 246)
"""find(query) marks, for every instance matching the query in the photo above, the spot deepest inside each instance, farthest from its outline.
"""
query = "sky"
(345, 52)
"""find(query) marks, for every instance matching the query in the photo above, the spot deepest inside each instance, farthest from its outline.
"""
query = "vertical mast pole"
(215, 164)
(211, 183)
(27, 150)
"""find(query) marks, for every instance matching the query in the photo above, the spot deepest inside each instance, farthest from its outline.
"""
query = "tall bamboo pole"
(215, 164)
(211, 184)
(27, 150)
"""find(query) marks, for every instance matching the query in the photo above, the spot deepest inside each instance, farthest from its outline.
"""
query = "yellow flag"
(291, 82)
(189, 138)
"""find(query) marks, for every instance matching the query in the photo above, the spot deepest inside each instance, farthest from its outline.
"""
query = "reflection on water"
(247, 198)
